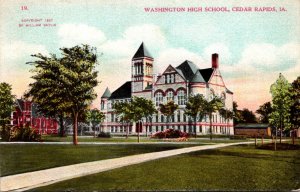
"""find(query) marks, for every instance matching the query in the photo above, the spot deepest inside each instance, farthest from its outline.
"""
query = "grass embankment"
(231, 168)
(18, 158)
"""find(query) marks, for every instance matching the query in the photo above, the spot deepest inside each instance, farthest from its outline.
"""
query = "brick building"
(26, 113)
(175, 83)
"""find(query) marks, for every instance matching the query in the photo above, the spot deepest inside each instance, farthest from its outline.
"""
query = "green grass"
(231, 168)
(19, 158)
(133, 139)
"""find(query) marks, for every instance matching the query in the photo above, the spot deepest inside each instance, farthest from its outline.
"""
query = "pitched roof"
(198, 78)
(142, 52)
(188, 69)
(122, 92)
(228, 91)
(252, 125)
(206, 73)
(106, 93)
(20, 103)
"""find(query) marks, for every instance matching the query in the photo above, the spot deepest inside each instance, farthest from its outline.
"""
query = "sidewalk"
(26, 181)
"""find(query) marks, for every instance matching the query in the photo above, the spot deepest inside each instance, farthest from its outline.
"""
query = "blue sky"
(253, 46)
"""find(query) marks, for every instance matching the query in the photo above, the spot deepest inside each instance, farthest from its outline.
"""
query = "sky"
(253, 46)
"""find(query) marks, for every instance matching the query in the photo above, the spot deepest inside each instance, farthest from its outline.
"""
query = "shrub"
(104, 135)
(170, 133)
(14, 133)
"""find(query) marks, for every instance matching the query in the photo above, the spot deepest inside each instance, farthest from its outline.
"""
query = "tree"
(212, 106)
(71, 82)
(195, 107)
(48, 90)
(6, 103)
(236, 114)
(95, 117)
(124, 112)
(134, 111)
(264, 111)
(227, 115)
(247, 116)
(142, 108)
(295, 108)
(281, 105)
(168, 110)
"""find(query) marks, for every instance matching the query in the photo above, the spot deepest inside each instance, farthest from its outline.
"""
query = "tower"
(141, 69)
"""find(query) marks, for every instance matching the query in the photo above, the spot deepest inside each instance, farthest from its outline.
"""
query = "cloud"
(76, 34)
(133, 36)
(13, 58)
(221, 49)
(176, 56)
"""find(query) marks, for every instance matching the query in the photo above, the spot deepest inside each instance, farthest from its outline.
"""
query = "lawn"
(19, 158)
(133, 139)
(232, 168)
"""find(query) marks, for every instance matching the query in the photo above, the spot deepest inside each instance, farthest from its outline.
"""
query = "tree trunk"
(293, 136)
(139, 132)
(195, 126)
(275, 138)
(210, 125)
(127, 130)
(75, 129)
(61, 126)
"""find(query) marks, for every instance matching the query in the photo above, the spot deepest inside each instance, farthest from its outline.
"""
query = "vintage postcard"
(132, 77)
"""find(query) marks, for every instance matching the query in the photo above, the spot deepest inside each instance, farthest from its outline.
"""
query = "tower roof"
(142, 52)
(106, 93)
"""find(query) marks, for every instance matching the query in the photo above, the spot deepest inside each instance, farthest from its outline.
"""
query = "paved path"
(26, 181)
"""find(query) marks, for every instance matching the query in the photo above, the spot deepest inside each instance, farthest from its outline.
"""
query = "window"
(181, 97)
(170, 96)
(172, 78)
(158, 98)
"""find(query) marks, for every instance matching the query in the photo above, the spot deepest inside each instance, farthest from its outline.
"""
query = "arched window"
(158, 98)
(170, 96)
(181, 97)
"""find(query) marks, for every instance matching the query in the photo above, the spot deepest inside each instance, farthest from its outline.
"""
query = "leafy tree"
(247, 116)
(195, 107)
(124, 112)
(71, 82)
(48, 89)
(227, 115)
(295, 108)
(168, 110)
(281, 105)
(142, 108)
(236, 114)
(134, 111)
(264, 111)
(95, 117)
(6, 103)
(212, 106)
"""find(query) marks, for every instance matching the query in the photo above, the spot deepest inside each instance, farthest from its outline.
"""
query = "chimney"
(215, 60)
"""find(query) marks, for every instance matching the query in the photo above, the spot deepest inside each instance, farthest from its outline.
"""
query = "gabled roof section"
(142, 52)
(198, 78)
(170, 69)
(20, 103)
(188, 69)
(122, 92)
(106, 93)
(228, 91)
(206, 73)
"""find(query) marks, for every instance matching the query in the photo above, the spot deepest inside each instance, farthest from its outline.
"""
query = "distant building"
(25, 113)
(175, 83)
(253, 129)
